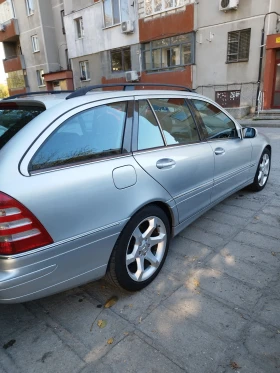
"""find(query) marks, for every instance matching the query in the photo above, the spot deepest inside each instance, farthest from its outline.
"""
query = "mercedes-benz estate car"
(97, 183)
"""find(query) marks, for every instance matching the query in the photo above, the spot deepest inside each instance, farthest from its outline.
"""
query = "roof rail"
(35, 93)
(126, 87)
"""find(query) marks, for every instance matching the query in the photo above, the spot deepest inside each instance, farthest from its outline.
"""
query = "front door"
(232, 155)
(276, 94)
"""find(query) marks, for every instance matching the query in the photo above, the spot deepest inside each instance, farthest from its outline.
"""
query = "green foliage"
(3, 91)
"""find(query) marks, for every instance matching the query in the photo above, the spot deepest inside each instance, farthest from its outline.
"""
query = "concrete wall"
(57, 7)
(95, 68)
(212, 69)
(96, 38)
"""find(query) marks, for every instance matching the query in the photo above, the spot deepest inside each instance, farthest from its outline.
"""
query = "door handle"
(219, 151)
(165, 163)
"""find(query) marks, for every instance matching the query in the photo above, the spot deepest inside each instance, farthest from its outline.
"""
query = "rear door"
(231, 153)
(167, 146)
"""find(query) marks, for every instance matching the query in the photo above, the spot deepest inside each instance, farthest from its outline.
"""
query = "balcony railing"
(9, 31)
(14, 63)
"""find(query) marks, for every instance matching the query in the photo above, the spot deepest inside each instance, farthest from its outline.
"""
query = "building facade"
(35, 46)
(228, 45)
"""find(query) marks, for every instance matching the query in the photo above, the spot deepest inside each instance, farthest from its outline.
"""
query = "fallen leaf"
(257, 218)
(126, 333)
(234, 365)
(273, 253)
(110, 302)
(278, 331)
(9, 344)
(196, 283)
(110, 341)
(130, 305)
(101, 323)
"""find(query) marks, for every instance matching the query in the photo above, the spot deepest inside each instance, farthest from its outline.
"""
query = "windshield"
(13, 117)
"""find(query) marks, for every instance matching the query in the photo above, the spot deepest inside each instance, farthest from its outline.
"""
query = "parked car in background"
(98, 183)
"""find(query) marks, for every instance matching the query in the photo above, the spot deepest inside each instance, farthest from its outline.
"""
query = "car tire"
(262, 173)
(140, 250)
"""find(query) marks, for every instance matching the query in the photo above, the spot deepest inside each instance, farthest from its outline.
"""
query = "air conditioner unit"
(226, 5)
(2, 27)
(131, 76)
(127, 27)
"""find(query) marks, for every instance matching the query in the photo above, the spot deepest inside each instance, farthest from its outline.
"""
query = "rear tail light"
(20, 230)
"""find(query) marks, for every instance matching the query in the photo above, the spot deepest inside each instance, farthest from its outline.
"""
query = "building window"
(120, 60)
(169, 53)
(115, 12)
(84, 69)
(62, 13)
(79, 27)
(40, 78)
(238, 46)
(35, 43)
(156, 6)
(29, 7)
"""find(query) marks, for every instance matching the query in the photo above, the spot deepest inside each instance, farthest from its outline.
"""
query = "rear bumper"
(56, 267)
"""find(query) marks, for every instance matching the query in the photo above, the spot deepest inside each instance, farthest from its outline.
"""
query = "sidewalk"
(250, 122)
(214, 308)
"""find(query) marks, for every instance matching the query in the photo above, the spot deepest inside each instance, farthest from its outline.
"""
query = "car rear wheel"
(262, 172)
(141, 250)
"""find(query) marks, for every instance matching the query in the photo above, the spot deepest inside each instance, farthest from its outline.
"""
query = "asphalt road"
(214, 308)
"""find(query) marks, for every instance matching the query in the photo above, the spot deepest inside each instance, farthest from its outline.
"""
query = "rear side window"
(13, 117)
(92, 134)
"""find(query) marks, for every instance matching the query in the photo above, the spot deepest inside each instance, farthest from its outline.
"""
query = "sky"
(2, 73)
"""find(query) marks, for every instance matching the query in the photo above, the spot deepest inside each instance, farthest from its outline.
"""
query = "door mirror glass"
(249, 132)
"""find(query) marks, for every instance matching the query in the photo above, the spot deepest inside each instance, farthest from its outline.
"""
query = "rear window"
(13, 117)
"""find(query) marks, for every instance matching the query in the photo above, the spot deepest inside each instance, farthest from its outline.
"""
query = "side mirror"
(249, 132)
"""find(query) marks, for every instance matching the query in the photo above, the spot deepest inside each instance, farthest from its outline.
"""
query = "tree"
(3, 91)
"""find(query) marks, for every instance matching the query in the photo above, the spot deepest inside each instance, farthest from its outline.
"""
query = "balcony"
(14, 63)
(9, 31)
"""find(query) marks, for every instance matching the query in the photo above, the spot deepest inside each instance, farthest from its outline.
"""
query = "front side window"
(29, 7)
(40, 78)
(155, 6)
(169, 53)
(84, 70)
(79, 27)
(35, 43)
(238, 46)
(120, 60)
(176, 121)
(115, 12)
(216, 124)
(92, 134)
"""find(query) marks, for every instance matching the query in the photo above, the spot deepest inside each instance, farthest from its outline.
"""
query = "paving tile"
(264, 229)
(39, 349)
(265, 345)
(270, 220)
(225, 217)
(224, 230)
(237, 294)
(251, 273)
(272, 210)
(191, 250)
(253, 254)
(244, 203)
(13, 318)
(233, 210)
(192, 348)
(258, 240)
(134, 355)
(203, 237)
(269, 314)
(81, 318)
(197, 307)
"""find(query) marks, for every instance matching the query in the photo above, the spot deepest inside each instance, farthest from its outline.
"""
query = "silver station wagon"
(96, 183)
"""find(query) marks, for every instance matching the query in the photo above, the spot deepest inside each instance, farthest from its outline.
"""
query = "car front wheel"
(262, 172)
(140, 250)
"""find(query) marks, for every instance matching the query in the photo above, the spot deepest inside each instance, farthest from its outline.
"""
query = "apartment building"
(35, 48)
(228, 45)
